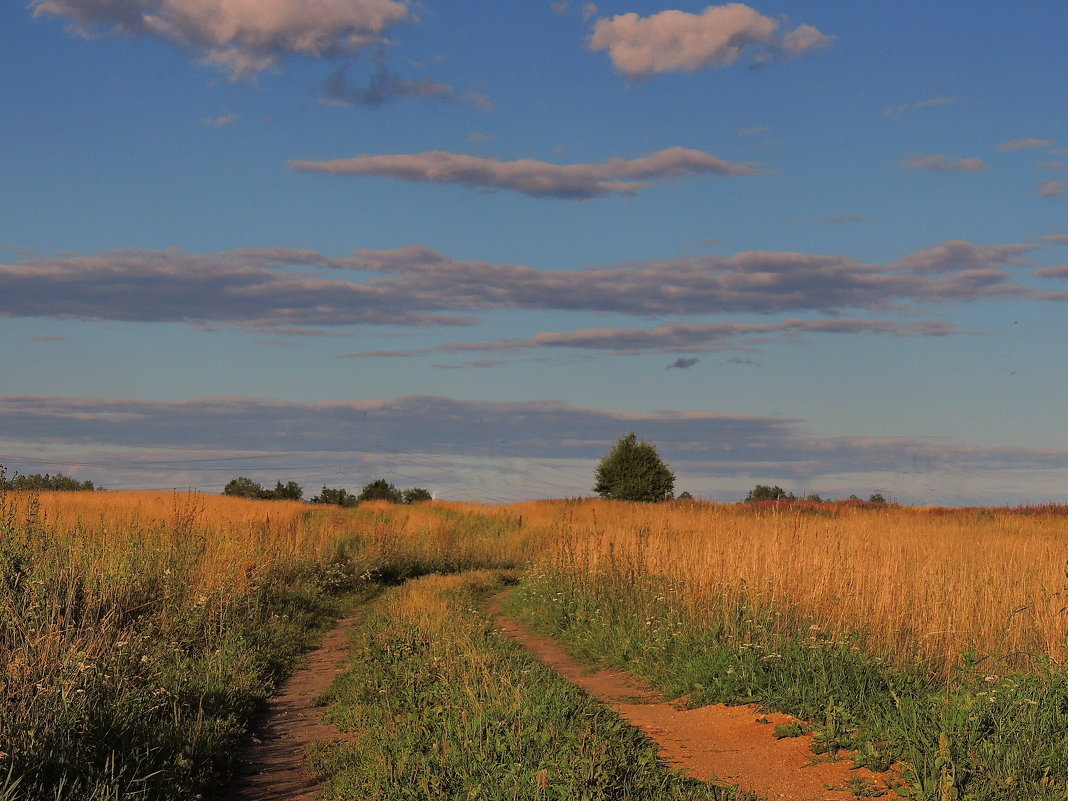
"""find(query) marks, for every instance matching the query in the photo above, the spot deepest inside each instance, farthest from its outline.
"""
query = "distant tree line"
(36, 482)
(763, 492)
(378, 490)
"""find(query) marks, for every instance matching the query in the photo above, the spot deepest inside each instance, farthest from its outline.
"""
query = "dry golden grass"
(919, 582)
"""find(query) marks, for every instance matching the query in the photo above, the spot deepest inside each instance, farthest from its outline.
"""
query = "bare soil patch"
(272, 764)
(728, 745)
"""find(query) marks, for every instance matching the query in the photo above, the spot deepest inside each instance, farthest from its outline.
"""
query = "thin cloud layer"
(678, 41)
(937, 162)
(1052, 188)
(242, 37)
(682, 337)
(382, 87)
(439, 438)
(285, 291)
(897, 111)
(534, 178)
(1024, 144)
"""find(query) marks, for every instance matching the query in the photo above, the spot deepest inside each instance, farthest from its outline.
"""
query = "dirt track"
(272, 766)
(722, 744)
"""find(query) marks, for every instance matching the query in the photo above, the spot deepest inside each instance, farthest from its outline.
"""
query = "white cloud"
(243, 37)
(678, 41)
(937, 162)
(534, 178)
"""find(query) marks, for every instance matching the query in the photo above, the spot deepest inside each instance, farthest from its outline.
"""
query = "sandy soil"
(723, 744)
(272, 764)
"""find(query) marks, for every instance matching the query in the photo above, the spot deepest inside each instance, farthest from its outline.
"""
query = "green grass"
(439, 705)
(983, 734)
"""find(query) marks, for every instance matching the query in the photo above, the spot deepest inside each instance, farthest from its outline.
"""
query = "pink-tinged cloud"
(678, 41)
(1056, 239)
(682, 337)
(223, 121)
(937, 162)
(242, 37)
(1024, 144)
(1060, 271)
(897, 111)
(535, 178)
(1052, 188)
(299, 291)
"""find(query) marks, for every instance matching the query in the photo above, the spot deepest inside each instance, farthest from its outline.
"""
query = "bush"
(416, 495)
(762, 492)
(245, 487)
(634, 471)
(380, 490)
(338, 497)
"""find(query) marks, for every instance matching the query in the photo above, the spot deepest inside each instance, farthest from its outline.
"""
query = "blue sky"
(820, 244)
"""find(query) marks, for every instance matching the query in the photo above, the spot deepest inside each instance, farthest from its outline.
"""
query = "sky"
(468, 246)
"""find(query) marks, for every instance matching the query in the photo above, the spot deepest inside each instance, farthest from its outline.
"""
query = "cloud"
(534, 178)
(478, 136)
(754, 131)
(247, 288)
(1060, 271)
(1024, 144)
(559, 7)
(481, 450)
(588, 11)
(682, 337)
(1052, 165)
(1052, 189)
(684, 363)
(284, 290)
(224, 121)
(382, 87)
(1057, 239)
(897, 111)
(937, 162)
(242, 37)
(678, 41)
(477, 364)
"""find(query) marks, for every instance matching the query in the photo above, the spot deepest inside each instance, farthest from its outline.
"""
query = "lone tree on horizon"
(634, 471)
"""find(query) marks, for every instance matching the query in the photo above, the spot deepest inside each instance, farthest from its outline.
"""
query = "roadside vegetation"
(139, 633)
(438, 705)
(929, 639)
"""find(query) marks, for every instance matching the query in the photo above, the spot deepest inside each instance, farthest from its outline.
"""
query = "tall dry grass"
(138, 631)
(927, 583)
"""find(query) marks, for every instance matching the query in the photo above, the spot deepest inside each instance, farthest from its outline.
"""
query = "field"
(141, 632)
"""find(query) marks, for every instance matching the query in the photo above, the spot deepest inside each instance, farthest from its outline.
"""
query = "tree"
(416, 495)
(876, 497)
(243, 487)
(762, 492)
(634, 471)
(380, 490)
(685, 496)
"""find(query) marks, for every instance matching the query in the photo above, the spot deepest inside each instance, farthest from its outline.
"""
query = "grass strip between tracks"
(439, 705)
